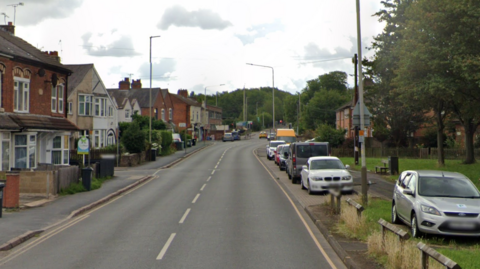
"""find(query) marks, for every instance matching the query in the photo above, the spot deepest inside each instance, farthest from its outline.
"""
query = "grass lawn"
(472, 171)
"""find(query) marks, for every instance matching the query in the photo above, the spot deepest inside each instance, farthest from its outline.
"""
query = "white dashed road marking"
(165, 248)
(184, 216)
(195, 199)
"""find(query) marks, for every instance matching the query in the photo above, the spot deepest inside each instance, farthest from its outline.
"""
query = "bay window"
(84, 105)
(25, 147)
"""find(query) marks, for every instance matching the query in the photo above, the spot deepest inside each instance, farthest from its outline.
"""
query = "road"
(219, 208)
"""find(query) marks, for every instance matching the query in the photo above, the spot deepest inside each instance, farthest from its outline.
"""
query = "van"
(299, 153)
(176, 137)
(287, 135)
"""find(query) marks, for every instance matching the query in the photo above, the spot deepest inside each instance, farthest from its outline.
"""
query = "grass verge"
(472, 171)
(391, 253)
(78, 187)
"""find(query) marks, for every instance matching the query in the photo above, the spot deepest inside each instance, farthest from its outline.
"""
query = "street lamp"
(150, 129)
(206, 114)
(362, 106)
(273, 89)
(15, 10)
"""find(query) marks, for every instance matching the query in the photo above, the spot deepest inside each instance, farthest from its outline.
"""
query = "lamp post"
(150, 126)
(273, 90)
(15, 10)
(362, 106)
(206, 114)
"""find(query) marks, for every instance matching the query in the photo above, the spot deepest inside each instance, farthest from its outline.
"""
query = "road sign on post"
(356, 115)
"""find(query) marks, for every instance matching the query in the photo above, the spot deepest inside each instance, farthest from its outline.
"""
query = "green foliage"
(326, 133)
(72, 189)
(144, 122)
(166, 141)
(133, 138)
(185, 136)
(321, 108)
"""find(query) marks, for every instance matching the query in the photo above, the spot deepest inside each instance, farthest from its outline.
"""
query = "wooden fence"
(413, 153)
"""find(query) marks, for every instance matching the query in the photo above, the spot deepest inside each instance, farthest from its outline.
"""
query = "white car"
(272, 147)
(322, 173)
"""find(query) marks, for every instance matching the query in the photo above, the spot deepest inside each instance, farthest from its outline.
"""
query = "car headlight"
(346, 177)
(430, 210)
(316, 178)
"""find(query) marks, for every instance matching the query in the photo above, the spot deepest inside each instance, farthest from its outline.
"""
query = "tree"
(401, 116)
(440, 59)
(321, 108)
(327, 133)
(133, 138)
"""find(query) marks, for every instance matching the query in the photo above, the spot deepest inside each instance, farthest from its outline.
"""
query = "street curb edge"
(19, 239)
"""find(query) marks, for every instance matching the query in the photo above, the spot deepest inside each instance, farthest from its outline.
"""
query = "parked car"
(271, 136)
(262, 135)
(299, 154)
(323, 173)
(277, 153)
(271, 147)
(176, 137)
(283, 158)
(436, 202)
(227, 137)
(235, 135)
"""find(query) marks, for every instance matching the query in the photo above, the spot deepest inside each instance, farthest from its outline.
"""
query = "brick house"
(34, 127)
(215, 122)
(162, 106)
(125, 107)
(344, 120)
(90, 107)
(188, 113)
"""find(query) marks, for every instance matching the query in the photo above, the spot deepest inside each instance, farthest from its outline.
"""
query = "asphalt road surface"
(219, 208)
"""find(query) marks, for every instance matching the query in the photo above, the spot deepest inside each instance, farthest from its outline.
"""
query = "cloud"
(261, 30)
(121, 47)
(36, 11)
(160, 71)
(202, 18)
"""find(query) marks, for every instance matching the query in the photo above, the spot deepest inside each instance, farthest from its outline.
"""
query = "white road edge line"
(208, 179)
(184, 216)
(195, 199)
(203, 187)
(165, 248)
(299, 215)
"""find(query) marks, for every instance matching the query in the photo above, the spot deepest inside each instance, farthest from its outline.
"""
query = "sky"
(202, 44)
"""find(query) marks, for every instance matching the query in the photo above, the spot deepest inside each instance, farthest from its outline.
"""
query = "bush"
(327, 133)
(166, 142)
(134, 139)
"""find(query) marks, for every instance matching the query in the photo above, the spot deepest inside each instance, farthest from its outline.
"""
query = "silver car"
(437, 202)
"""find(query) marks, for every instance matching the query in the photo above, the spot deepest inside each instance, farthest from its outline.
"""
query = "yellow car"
(262, 135)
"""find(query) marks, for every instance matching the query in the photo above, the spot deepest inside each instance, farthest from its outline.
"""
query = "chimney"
(9, 28)
(54, 55)
(124, 84)
(137, 84)
(183, 93)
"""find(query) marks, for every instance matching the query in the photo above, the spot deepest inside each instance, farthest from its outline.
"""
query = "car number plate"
(462, 225)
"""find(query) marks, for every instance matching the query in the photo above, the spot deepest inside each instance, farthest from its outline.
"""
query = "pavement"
(38, 214)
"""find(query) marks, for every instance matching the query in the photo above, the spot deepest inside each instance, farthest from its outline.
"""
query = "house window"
(97, 138)
(84, 105)
(170, 114)
(97, 107)
(60, 154)
(110, 111)
(25, 146)
(1, 89)
(70, 108)
(163, 114)
(21, 96)
(156, 114)
(346, 113)
(5, 151)
(127, 113)
(54, 99)
(60, 98)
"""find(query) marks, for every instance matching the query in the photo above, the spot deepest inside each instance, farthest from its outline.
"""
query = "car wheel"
(289, 176)
(309, 190)
(294, 180)
(395, 219)
(414, 227)
(301, 184)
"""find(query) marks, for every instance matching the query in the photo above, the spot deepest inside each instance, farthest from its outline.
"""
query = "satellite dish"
(41, 72)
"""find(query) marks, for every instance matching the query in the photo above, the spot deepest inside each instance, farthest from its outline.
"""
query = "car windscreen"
(287, 139)
(275, 144)
(307, 151)
(326, 164)
(447, 187)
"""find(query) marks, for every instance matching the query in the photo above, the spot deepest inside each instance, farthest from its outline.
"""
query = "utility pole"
(298, 112)
(243, 102)
(355, 99)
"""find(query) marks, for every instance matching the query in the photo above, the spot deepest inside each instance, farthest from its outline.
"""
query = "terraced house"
(34, 128)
